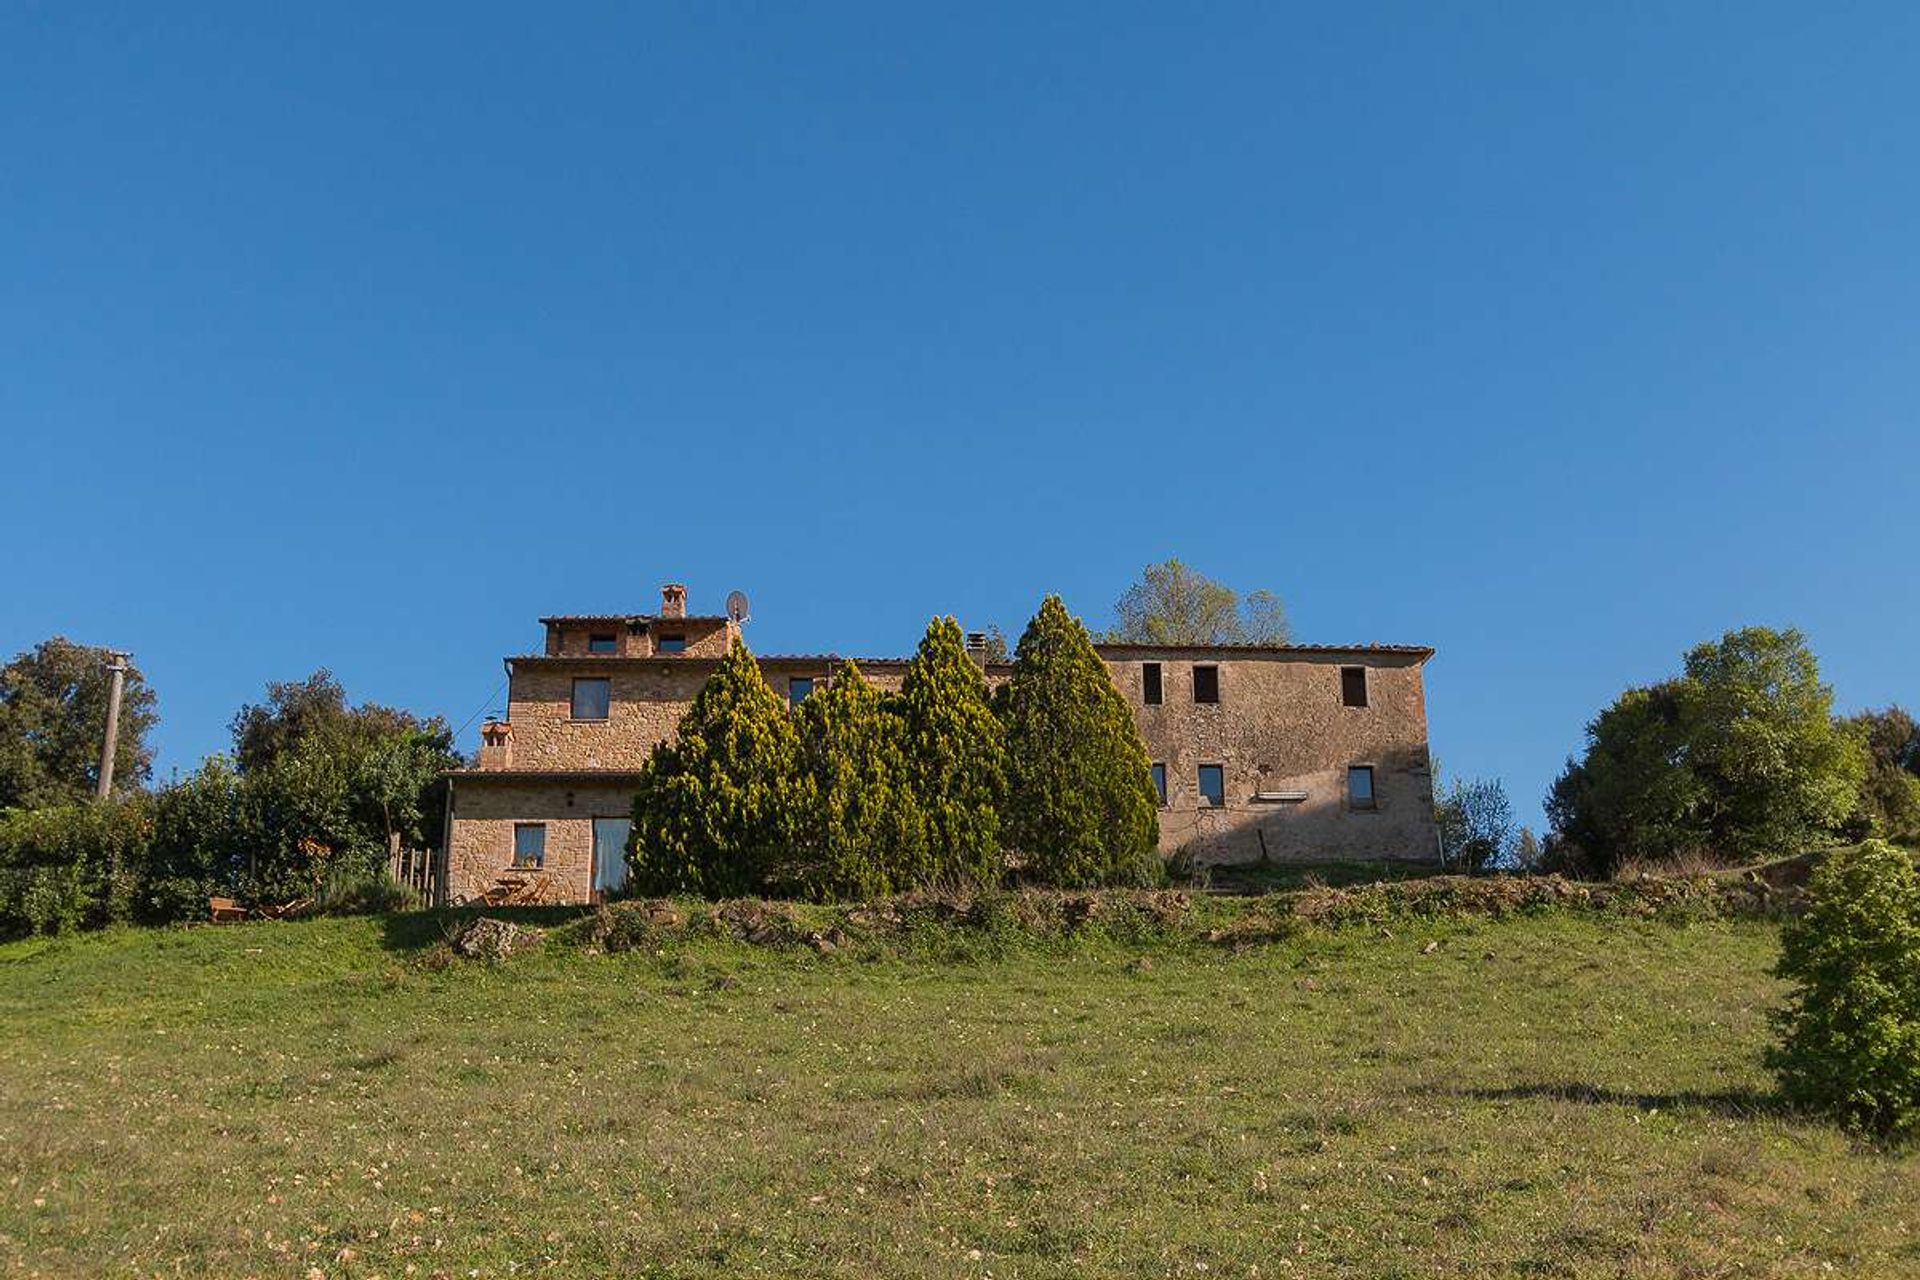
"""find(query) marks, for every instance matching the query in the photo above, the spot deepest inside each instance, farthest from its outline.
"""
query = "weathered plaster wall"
(1280, 726)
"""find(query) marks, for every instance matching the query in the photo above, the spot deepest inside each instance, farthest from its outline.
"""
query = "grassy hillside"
(1552, 1094)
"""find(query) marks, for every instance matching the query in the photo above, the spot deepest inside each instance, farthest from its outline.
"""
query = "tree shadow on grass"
(1744, 1104)
(414, 931)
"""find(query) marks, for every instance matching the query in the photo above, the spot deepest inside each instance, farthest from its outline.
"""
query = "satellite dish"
(737, 606)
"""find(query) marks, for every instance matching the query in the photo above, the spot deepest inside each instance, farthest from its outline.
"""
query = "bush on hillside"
(1081, 807)
(1850, 1034)
(71, 866)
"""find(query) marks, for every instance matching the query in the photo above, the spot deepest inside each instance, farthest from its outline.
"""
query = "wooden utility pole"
(117, 669)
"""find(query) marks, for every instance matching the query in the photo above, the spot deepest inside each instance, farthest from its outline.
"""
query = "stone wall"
(485, 811)
(648, 699)
(1280, 730)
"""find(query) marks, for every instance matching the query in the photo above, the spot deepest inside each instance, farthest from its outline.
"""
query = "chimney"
(673, 600)
(496, 745)
(976, 647)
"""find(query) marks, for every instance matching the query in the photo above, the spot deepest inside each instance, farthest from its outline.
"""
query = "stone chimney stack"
(976, 647)
(673, 600)
(496, 745)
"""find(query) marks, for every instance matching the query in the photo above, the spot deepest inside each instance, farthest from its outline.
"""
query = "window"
(601, 643)
(1206, 684)
(529, 844)
(1150, 683)
(1360, 787)
(798, 688)
(1160, 783)
(672, 644)
(591, 697)
(1213, 786)
(1353, 686)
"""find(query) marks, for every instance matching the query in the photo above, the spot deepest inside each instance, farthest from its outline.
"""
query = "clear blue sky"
(1560, 341)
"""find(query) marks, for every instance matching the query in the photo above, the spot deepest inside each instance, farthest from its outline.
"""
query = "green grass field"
(1548, 1095)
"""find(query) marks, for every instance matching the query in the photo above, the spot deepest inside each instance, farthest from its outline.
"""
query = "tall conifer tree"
(955, 757)
(858, 832)
(714, 806)
(1081, 806)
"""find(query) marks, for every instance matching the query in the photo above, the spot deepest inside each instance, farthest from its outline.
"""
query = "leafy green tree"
(713, 812)
(1633, 795)
(1737, 758)
(1889, 801)
(857, 830)
(53, 721)
(1850, 1034)
(955, 758)
(1476, 823)
(315, 710)
(379, 768)
(1081, 806)
(1174, 604)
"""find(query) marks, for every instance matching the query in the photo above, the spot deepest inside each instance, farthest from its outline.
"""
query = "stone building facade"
(1299, 753)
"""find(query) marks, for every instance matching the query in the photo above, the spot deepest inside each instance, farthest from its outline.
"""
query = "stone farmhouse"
(1277, 752)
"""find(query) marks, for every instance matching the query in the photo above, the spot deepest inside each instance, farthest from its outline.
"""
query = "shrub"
(70, 866)
(349, 891)
(1850, 1033)
(1081, 806)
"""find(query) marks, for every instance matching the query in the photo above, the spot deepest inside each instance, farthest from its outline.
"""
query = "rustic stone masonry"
(1282, 753)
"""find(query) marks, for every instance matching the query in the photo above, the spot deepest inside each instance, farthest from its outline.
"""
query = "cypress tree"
(858, 832)
(955, 758)
(714, 806)
(1080, 803)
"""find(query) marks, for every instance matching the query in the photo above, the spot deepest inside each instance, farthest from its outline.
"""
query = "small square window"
(602, 643)
(592, 695)
(1360, 787)
(672, 644)
(529, 844)
(1150, 683)
(1353, 686)
(1160, 783)
(798, 689)
(1206, 684)
(1213, 786)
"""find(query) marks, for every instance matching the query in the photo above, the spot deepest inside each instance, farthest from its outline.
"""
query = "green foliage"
(714, 807)
(1174, 604)
(1476, 824)
(857, 830)
(1737, 758)
(1889, 800)
(199, 847)
(1081, 807)
(955, 758)
(1850, 1034)
(53, 720)
(70, 866)
(320, 807)
(299, 713)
